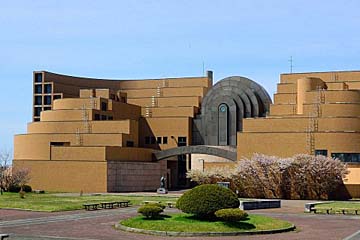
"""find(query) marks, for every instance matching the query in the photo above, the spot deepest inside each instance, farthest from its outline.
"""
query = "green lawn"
(187, 223)
(338, 205)
(51, 202)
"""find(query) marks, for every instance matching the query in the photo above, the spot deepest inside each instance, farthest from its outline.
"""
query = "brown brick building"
(101, 135)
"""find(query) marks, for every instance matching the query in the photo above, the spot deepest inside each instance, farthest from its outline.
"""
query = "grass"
(187, 223)
(338, 205)
(49, 202)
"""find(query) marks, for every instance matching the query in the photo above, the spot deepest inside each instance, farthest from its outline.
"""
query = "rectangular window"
(323, 152)
(47, 108)
(181, 141)
(165, 140)
(47, 100)
(38, 100)
(347, 157)
(147, 140)
(129, 143)
(38, 77)
(36, 119)
(57, 97)
(37, 111)
(103, 117)
(38, 88)
(110, 118)
(103, 106)
(47, 88)
(153, 140)
(158, 140)
(97, 116)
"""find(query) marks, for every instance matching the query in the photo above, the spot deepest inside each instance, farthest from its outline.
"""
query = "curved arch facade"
(244, 99)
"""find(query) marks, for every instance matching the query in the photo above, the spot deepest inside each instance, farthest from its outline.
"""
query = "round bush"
(231, 214)
(162, 206)
(150, 211)
(204, 200)
(27, 188)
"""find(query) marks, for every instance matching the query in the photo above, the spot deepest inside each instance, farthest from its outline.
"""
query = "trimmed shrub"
(27, 188)
(150, 211)
(204, 200)
(162, 206)
(231, 214)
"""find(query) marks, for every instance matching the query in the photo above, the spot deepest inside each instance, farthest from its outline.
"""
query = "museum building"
(97, 135)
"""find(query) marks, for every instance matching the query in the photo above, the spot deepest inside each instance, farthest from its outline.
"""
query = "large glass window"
(37, 111)
(47, 100)
(38, 89)
(38, 100)
(158, 140)
(181, 141)
(57, 97)
(47, 88)
(38, 77)
(323, 152)
(165, 140)
(129, 143)
(347, 157)
(103, 106)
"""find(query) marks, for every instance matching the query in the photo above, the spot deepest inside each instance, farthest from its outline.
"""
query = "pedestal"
(162, 191)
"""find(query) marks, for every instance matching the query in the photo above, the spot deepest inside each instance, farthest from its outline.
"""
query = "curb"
(198, 234)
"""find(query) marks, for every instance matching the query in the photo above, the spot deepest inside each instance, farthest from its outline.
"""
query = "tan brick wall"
(166, 101)
(122, 126)
(285, 98)
(335, 110)
(171, 111)
(66, 176)
(342, 76)
(282, 109)
(286, 88)
(300, 124)
(165, 127)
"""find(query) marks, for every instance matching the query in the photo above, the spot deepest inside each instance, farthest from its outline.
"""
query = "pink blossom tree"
(299, 177)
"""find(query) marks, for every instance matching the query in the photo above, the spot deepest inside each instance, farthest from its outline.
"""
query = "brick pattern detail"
(135, 176)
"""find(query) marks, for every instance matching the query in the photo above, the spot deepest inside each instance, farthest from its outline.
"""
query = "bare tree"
(20, 177)
(10, 176)
(5, 158)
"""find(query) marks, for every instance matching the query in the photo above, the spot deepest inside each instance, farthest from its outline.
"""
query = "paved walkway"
(82, 225)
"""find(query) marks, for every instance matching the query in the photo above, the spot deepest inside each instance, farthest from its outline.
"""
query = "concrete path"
(82, 225)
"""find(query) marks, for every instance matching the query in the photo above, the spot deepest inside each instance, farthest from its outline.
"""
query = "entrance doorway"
(182, 181)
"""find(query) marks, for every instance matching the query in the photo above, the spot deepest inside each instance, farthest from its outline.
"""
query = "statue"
(162, 188)
(162, 182)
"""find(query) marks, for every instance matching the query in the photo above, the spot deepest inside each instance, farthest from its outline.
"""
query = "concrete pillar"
(304, 85)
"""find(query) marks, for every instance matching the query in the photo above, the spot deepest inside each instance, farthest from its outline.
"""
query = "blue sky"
(151, 39)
